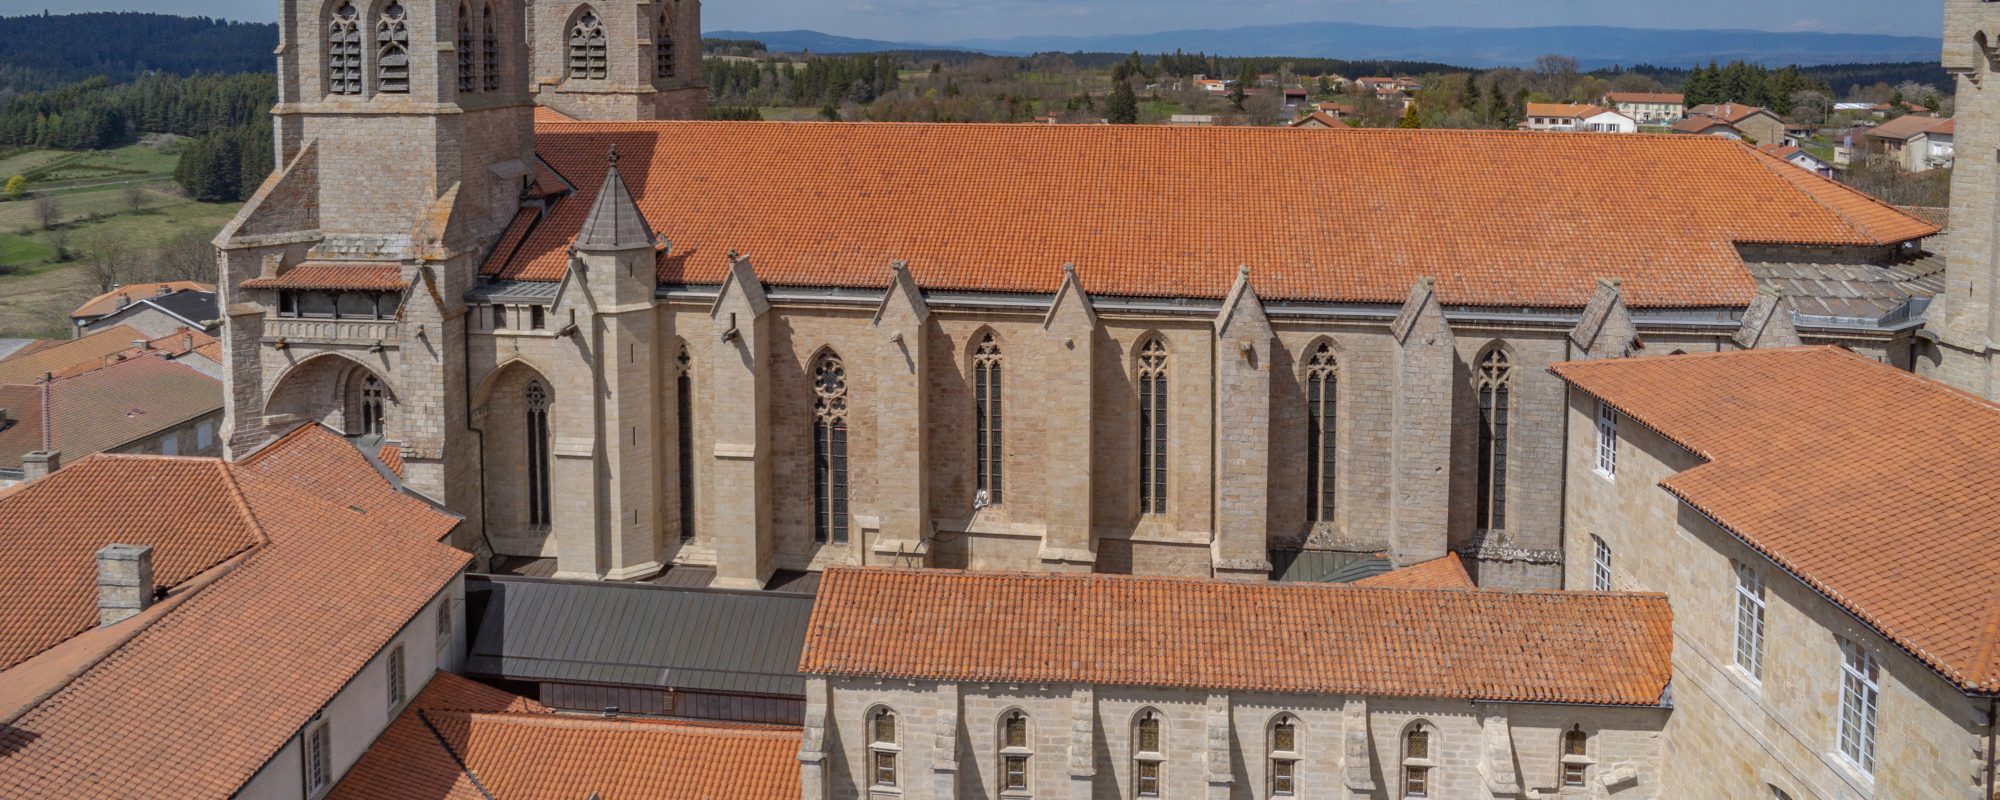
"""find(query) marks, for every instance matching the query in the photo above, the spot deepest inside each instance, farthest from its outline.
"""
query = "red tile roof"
(1525, 221)
(1702, 125)
(1169, 632)
(1731, 113)
(1667, 98)
(391, 456)
(1438, 573)
(336, 277)
(174, 345)
(109, 301)
(456, 728)
(1564, 110)
(1876, 487)
(199, 700)
(112, 406)
(28, 367)
(316, 456)
(1907, 127)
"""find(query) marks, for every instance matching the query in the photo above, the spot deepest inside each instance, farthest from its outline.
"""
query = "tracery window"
(539, 495)
(1417, 762)
(343, 59)
(1284, 757)
(987, 418)
(1153, 426)
(392, 50)
(1322, 432)
(830, 450)
(374, 406)
(684, 397)
(1014, 752)
(1496, 373)
(883, 748)
(1575, 756)
(465, 76)
(588, 48)
(1147, 755)
(663, 45)
(490, 49)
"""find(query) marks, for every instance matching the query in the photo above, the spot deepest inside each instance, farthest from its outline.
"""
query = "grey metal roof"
(1325, 566)
(640, 635)
(514, 293)
(1857, 293)
(615, 222)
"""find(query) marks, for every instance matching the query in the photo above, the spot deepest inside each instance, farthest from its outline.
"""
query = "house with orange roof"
(193, 628)
(148, 402)
(1798, 157)
(1758, 124)
(1823, 526)
(1649, 108)
(158, 314)
(1082, 685)
(119, 297)
(1576, 117)
(1914, 143)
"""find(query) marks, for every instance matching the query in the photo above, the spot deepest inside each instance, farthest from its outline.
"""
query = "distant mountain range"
(1593, 46)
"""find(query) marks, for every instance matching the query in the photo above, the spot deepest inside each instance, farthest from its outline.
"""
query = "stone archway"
(339, 392)
(515, 411)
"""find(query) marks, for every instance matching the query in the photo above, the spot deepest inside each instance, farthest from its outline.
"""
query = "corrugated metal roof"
(1857, 292)
(640, 635)
(1325, 566)
(515, 292)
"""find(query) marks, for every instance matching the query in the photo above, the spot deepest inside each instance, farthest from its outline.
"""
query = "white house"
(1577, 117)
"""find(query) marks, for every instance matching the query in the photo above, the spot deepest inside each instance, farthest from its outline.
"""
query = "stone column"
(812, 743)
(581, 512)
(1069, 341)
(1082, 742)
(944, 743)
(902, 474)
(1426, 363)
(1217, 739)
(1496, 754)
(1357, 751)
(1243, 353)
(1605, 330)
(741, 383)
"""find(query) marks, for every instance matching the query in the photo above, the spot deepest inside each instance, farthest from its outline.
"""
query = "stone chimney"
(124, 582)
(37, 465)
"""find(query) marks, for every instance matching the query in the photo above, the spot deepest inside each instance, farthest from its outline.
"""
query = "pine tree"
(1410, 118)
(1124, 106)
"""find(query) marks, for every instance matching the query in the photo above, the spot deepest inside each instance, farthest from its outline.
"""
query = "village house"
(1798, 157)
(1576, 118)
(1912, 143)
(1649, 108)
(103, 305)
(1753, 123)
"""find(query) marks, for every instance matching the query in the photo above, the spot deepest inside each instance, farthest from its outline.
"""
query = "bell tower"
(1966, 317)
(618, 59)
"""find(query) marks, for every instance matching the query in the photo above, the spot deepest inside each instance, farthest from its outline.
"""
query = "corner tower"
(618, 59)
(405, 135)
(1967, 324)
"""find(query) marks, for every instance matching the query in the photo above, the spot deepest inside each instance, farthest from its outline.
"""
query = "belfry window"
(1322, 429)
(663, 46)
(986, 418)
(684, 430)
(1496, 374)
(830, 450)
(489, 49)
(539, 495)
(392, 50)
(1153, 426)
(465, 76)
(374, 407)
(343, 58)
(588, 48)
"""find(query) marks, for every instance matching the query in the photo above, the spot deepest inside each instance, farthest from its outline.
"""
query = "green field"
(96, 192)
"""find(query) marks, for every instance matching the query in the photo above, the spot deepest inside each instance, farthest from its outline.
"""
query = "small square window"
(1284, 781)
(499, 317)
(1149, 779)
(537, 318)
(885, 769)
(1014, 774)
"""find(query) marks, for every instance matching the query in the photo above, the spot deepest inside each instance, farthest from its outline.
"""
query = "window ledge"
(1419, 762)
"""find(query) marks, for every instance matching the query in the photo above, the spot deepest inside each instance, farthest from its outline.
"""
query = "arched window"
(1285, 756)
(374, 407)
(343, 54)
(1322, 429)
(465, 76)
(1417, 762)
(392, 50)
(1575, 756)
(1496, 373)
(1148, 754)
(1153, 426)
(987, 416)
(830, 450)
(539, 496)
(490, 48)
(1014, 752)
(588, 47)
(663, 45)
(684, 401)
(883, 750)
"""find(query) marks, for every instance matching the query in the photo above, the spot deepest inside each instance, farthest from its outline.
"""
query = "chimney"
(165, 290)
(124, 582)
(141, 344)
(37, 465)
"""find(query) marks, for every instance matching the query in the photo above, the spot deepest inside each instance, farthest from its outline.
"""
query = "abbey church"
(619, 337)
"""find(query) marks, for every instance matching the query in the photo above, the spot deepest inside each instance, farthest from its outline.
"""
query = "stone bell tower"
(1965, 317)
(618, 60)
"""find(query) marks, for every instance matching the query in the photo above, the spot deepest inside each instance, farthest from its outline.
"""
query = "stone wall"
(1731, 735)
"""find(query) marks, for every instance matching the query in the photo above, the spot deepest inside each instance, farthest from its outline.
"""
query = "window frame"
(884, 753)
(397, 669)
(1751, 609)
(1154, 380)
(832, 438)
(1322, 435)
(1149, 764)
(1417, 762)
(989, 419)
(1607, 441)
(316, 751)
(684, 431)
(1575, 759)
(1600, 564)
(1015, 782)
(1860, 704)
(1494, 396)
(1283, 760)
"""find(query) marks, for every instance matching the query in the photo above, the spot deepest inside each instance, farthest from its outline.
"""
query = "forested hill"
(41, 51)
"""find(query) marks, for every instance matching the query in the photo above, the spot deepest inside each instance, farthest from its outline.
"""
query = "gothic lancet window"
(539, 495)
(1148, 754)
(1153, 426)
(663, 46)
(684, 402)
(1496, 374)
(392, 50)
(830, 450)
(490, 50)
(374, 407)
(588, 48)
(987, 417)
(465, 76)
(343, 61)
(1322, 429)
